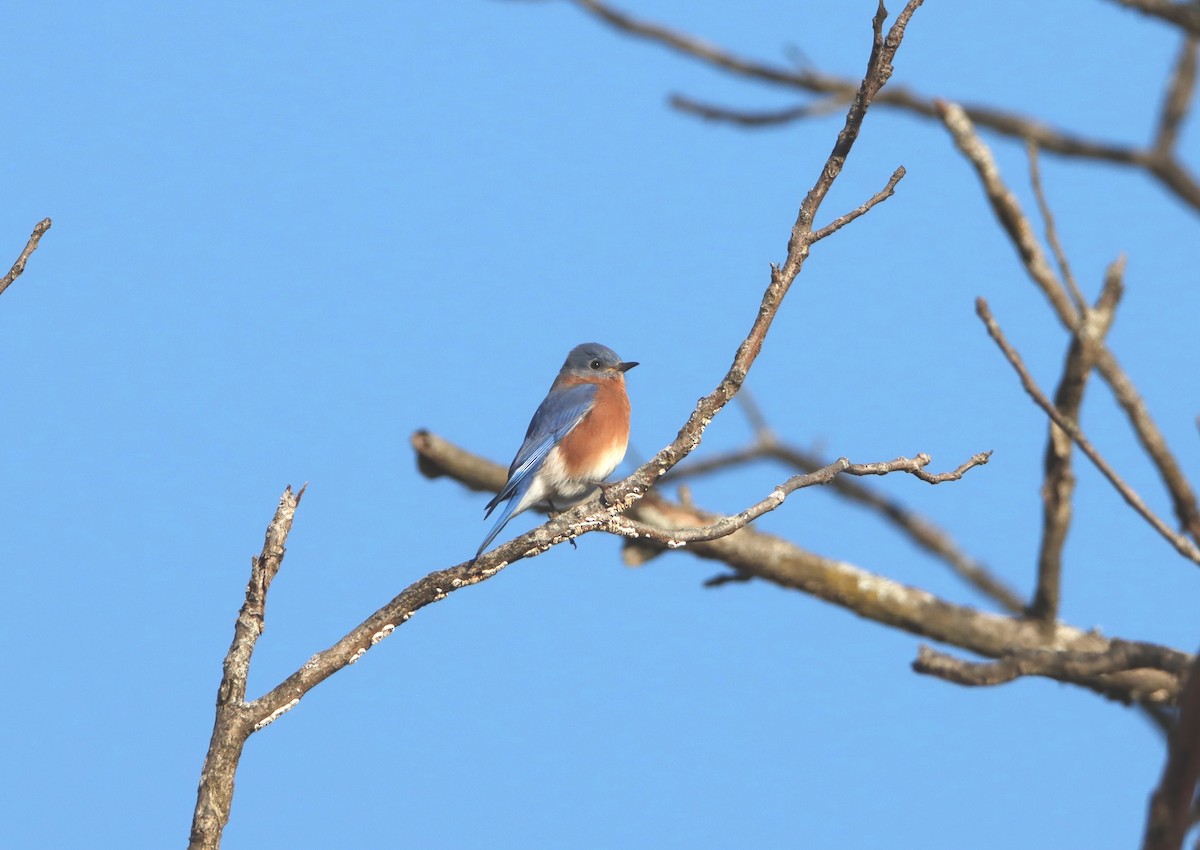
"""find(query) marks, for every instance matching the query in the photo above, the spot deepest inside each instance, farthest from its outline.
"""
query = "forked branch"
(1011, 217)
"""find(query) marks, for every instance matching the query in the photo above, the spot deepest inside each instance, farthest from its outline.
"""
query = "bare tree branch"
(1008, 213)
(1170, 173)
(1182, 545)
(19, 266)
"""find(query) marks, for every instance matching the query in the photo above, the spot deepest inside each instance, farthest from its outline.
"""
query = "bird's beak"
(625, 367)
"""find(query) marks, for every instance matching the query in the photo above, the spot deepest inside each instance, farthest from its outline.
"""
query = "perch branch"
(750, 553)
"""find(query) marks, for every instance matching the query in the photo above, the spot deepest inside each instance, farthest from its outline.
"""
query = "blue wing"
(558, 413)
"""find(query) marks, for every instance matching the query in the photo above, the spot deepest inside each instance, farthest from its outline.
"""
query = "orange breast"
(597, 444)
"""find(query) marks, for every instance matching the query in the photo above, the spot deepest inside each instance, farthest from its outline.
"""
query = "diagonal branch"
(1182, 545)
(19, 266)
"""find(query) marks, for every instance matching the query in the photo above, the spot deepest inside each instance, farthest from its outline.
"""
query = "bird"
(576, 438)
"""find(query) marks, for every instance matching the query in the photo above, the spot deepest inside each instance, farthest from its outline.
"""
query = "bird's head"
(593, 360)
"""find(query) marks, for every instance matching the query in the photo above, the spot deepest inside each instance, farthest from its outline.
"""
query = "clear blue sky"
(286, 235)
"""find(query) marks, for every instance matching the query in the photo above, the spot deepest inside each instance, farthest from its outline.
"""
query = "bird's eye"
(595, 364)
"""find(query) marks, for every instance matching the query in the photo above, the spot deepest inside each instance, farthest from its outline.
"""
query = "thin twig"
(19, 266)
(882, 195)
(722, 579)
(675, 538)
(923, 532)
(1060, 256)
(750, 408)
(1182, 545)
(765, 118)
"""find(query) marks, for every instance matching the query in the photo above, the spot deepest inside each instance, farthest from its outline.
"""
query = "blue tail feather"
(506, 512)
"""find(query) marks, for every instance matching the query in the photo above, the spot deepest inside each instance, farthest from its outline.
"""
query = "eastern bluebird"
(576, 438)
